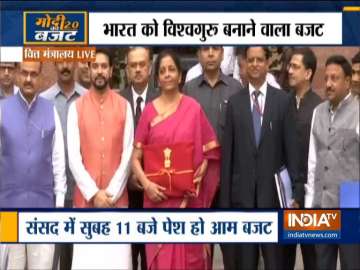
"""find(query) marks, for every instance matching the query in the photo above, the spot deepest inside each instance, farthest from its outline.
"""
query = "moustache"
(65, 71)
(100, 77)
(28, 85)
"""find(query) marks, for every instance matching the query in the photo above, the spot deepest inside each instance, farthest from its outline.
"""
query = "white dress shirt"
(58, 157)
(82, 177)
(261, 97)
(310, 185)
(136, 95)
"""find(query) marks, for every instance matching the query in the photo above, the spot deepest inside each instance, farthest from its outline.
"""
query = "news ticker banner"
(180, 23)
(58, 32)
(180, 28)
(215, 28)
(165, 226)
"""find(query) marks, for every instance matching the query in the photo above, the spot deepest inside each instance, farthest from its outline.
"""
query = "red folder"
(170, 166)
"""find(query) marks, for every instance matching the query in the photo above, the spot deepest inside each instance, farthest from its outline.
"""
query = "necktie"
(256, 116)
(138, 110)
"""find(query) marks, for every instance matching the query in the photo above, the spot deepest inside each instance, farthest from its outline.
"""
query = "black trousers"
(63, 252)
(327, 254)
(246, 256)
(136, 201)
(307, 252)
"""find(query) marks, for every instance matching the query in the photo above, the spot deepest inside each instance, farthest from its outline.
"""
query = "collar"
(29, 106)
(16, 89)
(78, 89)
(136, 95)
(308, 92)
(262, 89)
(222, 78)
(298, 99)
(341, 103)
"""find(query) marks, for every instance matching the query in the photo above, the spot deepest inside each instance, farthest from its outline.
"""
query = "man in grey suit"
(334, 155)
(138, 93)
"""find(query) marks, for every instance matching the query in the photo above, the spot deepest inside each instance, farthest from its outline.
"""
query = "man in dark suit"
(259, 138)
(138, 93)
(301, 70)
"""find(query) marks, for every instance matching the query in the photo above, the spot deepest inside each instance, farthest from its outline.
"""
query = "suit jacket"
(151, 94)
(247, 178)
(303, 127)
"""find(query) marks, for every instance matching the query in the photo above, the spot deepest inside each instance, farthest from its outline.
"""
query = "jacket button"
(326, 168)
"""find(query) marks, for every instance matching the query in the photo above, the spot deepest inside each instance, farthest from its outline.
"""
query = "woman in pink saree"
(170, 119)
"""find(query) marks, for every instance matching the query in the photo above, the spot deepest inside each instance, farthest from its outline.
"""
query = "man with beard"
(7, 79)
(32, 161)
(355, 81)
(259, 139)
(334, 156)
(138, 93)
(83, 74)
(64, 92)
(100, 138)
(301, 71)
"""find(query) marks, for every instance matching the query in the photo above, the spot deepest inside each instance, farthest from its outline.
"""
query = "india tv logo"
(312, 224)
(55, 27)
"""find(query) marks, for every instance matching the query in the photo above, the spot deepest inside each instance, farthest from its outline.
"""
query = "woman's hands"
(155, 192)
(198, 177)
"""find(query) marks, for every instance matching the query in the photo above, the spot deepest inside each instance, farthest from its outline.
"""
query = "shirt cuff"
(91, 193)
(308, 198)
(111, 190)
(60, 197)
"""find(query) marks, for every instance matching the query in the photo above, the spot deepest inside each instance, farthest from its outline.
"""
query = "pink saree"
(187, 124)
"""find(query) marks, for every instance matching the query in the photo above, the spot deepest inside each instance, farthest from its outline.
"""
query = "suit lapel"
(269, 102)
(150, 95)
